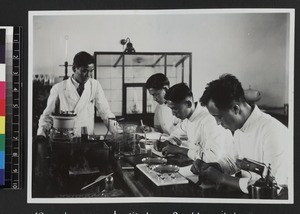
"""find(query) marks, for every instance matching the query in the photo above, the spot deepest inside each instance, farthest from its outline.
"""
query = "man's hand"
(208, 171)
(172, 149)
(159, 145)
(146, 129)
(114, 127)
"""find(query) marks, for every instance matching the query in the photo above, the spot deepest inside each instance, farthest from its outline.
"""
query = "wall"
(251, 46)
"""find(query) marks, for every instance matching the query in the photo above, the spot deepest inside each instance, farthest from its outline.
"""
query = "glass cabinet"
(123, 77)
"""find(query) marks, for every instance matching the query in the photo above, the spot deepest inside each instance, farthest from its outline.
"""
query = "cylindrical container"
(84, 134)
(109, 183)
(63, 122)
(134, 144)
(262, 192)
(149, 150)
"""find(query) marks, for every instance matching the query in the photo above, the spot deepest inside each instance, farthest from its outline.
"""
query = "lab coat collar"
(75, 83)
(254, 116)
(70, 87)
(197, 111)
(73, 94)
(84, 98)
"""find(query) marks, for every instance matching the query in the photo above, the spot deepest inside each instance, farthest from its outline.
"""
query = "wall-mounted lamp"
(129, 47)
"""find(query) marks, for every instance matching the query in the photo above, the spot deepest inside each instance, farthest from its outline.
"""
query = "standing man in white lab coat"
(79, 93)
(164, 120)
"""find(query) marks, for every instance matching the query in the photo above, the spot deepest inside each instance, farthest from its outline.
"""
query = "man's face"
(179, 110)
(158, 95)
(229, 119)
(82, 74)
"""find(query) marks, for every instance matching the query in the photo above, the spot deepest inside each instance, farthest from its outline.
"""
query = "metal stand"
(66, 70)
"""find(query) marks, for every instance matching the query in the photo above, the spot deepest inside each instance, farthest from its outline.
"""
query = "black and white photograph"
(161, 106)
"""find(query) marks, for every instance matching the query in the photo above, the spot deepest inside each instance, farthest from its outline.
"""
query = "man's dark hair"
(223, 92)
(178, 93)
(82, 59)
(157, 81)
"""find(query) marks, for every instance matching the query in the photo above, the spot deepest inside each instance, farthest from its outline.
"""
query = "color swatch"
(2, 105)
(10, 107)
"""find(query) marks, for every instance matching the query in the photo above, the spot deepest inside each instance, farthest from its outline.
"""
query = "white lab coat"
(264, 139)
(206, 139)
(164, 120)
(64, 97)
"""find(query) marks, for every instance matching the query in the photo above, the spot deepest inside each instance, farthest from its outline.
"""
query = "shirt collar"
(254, 116)
(75, 83)
(197, 111)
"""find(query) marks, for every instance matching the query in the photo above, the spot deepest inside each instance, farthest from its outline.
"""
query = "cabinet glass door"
(114, 70)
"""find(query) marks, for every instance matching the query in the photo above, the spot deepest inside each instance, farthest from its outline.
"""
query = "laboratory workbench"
(61, 170)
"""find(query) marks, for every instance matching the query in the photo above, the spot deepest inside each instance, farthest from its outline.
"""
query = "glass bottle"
(109, 187)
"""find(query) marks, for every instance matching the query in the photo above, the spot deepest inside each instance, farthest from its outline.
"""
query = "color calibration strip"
(13, 148)
(12, 97)
(2, 105)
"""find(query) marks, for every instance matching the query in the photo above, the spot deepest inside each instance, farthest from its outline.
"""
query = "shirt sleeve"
(228, 158)
(275, 147)
(180, 130)
(157, 125)
(45, 121)
(212, 141)
(243, 184)
(102, 105)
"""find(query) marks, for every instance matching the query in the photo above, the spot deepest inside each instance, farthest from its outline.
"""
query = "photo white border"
(31, 14)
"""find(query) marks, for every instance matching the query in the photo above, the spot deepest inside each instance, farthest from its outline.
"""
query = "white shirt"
(264, 139)
(64, 97)
(164, 120)
(205, 137)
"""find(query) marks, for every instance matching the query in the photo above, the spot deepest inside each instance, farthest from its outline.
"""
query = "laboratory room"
(167, 104)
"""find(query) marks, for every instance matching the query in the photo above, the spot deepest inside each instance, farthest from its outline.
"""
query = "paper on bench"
(153, 136)
(160, 153)
(156, 152)
(186, 172)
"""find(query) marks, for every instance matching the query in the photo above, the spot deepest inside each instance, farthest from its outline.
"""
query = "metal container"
(63, 121)
(262, 192)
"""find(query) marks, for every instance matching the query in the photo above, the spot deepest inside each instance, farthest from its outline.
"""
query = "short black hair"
(178, 93)
(157, 81)
(82, 59)
(223, 92)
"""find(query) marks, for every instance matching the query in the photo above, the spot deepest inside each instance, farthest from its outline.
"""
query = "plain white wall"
(252, 47)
